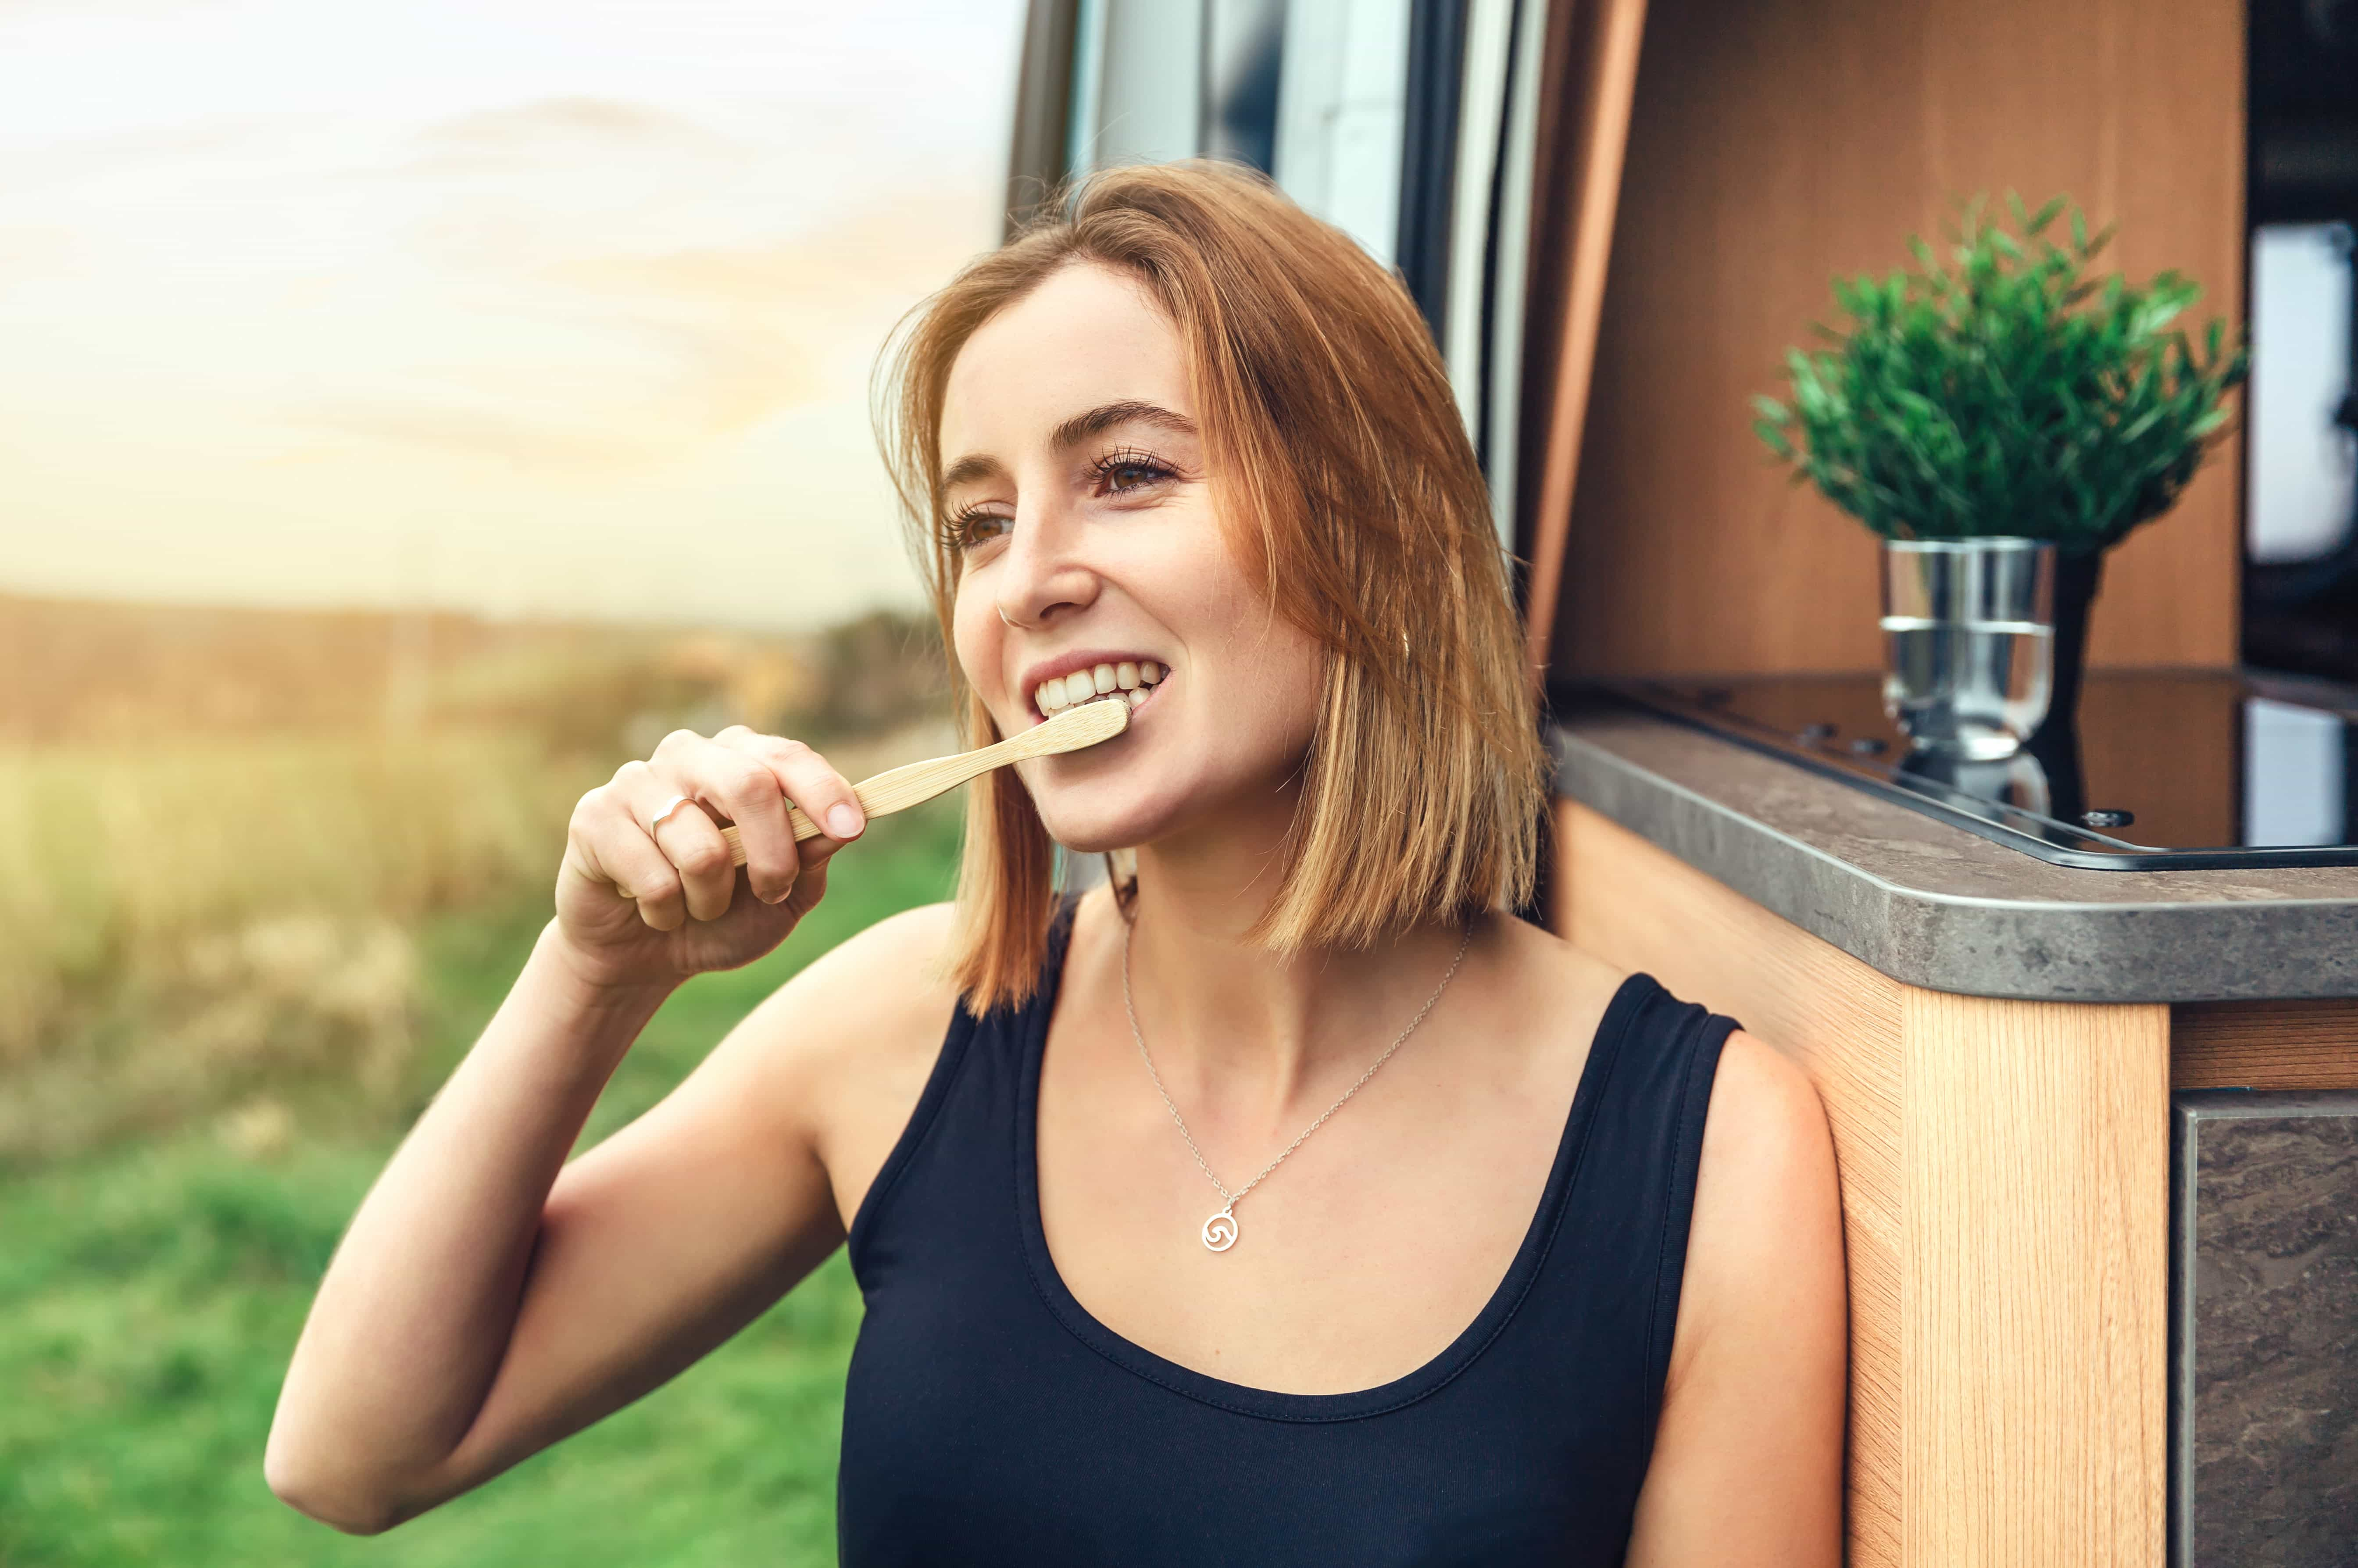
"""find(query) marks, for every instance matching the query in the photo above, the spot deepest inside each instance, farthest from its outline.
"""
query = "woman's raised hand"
(639, 907)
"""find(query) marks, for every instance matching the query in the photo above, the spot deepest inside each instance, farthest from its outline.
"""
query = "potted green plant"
(2000, 421)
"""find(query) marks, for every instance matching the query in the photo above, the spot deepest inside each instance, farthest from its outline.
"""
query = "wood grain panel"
(1771, 147)
(2004, 1184)
(2034, 1376)
(2135, 107)
(2264, 1044)
(1631, 904)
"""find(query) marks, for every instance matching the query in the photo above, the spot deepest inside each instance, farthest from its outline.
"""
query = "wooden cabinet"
(2005, 1170)
(1775, 142)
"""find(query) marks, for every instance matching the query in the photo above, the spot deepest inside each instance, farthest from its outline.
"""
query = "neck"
(1230, 1024)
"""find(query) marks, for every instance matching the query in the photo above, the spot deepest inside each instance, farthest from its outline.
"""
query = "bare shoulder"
(847, 1043)
(1766, 1123)
(890, 971)
(877, 1002)
(1748, 1459)
(1766, 1240)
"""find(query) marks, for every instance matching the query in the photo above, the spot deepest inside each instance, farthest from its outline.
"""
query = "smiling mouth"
(1134, 684)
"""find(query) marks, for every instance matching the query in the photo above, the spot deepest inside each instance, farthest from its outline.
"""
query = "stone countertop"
(1936, 907)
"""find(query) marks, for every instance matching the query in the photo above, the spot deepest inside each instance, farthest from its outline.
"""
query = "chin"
(1095, 832)
(1095, 800)
(1090, 815)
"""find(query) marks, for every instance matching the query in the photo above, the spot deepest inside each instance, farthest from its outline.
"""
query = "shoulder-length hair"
(1343, 478)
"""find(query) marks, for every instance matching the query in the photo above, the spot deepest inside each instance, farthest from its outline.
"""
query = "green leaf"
(2001, 385)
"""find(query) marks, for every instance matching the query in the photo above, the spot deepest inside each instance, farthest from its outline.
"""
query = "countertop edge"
(2038, 950)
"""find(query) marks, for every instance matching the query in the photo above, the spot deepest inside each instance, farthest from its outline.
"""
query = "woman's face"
(1078, 495)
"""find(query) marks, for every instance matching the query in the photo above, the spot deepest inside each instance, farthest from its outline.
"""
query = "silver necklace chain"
(1219, 1232)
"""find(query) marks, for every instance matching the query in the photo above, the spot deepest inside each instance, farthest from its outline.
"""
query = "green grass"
(149, 1297)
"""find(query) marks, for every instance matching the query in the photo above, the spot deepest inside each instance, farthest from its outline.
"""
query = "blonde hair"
(1343, 479)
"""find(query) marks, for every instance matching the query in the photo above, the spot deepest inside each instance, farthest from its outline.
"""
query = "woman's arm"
(488, 1298)
(414, 1317)
(1748, 1464)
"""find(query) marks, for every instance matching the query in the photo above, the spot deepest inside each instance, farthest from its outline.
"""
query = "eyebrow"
(1074, 431)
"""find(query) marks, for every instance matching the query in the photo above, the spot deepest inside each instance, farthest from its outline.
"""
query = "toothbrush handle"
(913, 784)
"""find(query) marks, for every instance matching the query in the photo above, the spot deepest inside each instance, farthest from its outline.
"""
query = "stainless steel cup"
(1969, 641)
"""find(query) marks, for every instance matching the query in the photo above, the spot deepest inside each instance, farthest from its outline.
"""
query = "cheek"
(1297, 686)
(975, 636)
(1270, 670)
(1278, 684)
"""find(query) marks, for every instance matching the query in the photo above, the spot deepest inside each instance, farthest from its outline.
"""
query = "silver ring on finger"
(673, 804)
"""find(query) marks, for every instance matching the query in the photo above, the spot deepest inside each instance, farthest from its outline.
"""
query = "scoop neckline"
(1272, 1404)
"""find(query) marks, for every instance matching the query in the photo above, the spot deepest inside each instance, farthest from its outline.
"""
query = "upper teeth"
(1125, 679)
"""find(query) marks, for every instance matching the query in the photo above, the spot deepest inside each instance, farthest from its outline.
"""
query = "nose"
(1042, 578)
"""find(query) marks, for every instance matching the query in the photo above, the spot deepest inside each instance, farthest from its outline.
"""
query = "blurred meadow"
(263, 875)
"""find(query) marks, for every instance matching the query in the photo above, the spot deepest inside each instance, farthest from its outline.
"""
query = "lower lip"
(1134, 712)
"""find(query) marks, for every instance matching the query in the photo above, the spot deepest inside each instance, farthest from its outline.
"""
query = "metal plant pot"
(1969, 641)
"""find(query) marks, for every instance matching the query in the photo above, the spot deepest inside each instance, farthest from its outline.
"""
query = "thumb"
(814, 852)
(811, 885)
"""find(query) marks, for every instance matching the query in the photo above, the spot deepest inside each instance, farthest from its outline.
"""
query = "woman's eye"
(968, 529)
(1122, 474)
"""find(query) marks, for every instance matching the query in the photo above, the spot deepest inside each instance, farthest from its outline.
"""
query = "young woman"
(1286, 1201)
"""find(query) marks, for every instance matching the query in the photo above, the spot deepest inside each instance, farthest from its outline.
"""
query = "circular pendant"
(1220, 1231)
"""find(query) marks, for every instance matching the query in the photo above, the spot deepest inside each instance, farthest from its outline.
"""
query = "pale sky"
(554, 308)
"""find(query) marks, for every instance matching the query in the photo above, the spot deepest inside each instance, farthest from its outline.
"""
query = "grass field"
(150, 1296)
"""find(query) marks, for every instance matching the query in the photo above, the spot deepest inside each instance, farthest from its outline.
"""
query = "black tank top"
(990, 1420)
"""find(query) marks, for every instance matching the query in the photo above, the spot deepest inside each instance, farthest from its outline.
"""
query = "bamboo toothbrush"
(897, 789)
